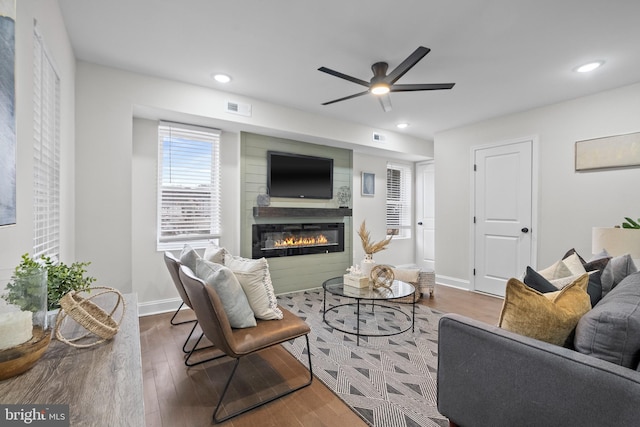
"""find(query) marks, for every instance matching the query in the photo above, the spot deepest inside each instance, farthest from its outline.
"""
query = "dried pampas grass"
(367, 245)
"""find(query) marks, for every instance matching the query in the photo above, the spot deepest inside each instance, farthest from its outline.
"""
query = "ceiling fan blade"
(407, 64)
(385, 101)
(416, 87)
(346, 97)
(343, 76)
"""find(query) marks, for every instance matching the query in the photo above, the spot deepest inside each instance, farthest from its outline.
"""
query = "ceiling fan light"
(380, 89)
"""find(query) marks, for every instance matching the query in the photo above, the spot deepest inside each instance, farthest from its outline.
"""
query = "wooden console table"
(102, 384)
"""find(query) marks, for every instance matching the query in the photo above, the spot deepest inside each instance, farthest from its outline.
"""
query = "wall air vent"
(378, 137)
(241, 109)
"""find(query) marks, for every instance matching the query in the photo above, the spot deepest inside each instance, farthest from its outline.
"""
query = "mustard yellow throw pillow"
(547, 317)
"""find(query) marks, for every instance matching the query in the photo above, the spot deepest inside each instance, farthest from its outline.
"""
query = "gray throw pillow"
(188, 257)
(616, 269)
(226, 285)
(611, 330)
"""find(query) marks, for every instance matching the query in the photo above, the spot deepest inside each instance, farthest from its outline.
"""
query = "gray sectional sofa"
(491, 377)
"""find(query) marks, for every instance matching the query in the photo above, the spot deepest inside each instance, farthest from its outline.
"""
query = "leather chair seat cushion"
(268, 333)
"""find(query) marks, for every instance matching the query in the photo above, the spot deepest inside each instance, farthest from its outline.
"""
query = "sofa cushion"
(535, 280)
(617, 269)
(224, 282)
(549, 317)
(597, 262)
(611, 330)
(255, 279)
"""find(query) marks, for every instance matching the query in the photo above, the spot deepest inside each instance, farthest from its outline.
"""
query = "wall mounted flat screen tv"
(299, 176)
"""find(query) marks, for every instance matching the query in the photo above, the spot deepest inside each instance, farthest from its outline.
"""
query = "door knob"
(420, 223)
(525, 230)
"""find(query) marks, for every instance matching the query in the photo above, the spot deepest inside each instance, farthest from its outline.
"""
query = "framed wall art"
(7, 113)
(368, 184)
(619, 151)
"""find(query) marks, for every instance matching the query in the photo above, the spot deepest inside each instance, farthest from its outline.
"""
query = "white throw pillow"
(555, 271)
(574, 264)
(224, 282)
(215, 254)
(564, 281)
(255, 279)
(406, 275)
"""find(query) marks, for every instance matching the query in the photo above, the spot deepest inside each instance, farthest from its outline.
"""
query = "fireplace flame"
(295, 241)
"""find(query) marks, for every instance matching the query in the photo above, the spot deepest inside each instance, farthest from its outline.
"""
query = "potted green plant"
(27, 288)
(61, 278)
(631, 224)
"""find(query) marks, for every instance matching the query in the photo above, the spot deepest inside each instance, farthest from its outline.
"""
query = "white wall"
(110, 191)
(570, 203)
(149, 281)
(373, 211)
(16, 240)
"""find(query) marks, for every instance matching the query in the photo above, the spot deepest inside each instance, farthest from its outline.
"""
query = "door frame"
(535, 168)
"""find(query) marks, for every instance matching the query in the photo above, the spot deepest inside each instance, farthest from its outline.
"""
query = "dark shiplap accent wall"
(304, 271)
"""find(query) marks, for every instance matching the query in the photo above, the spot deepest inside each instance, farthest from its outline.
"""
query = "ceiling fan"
(382, 83)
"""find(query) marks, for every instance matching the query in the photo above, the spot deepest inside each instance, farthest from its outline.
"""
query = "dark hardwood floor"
(175, 395)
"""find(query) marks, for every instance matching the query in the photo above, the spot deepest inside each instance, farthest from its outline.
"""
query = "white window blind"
(46, 153)
(188, 185)
(399, 205)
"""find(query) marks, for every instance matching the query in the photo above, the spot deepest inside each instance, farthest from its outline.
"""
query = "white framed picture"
(368, 184)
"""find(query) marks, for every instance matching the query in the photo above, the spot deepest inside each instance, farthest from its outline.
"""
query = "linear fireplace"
(277, 240)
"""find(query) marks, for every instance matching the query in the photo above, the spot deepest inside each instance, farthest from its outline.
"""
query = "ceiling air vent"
(378, 137)
(234, 107)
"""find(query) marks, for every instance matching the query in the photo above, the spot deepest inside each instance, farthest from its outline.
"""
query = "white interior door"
(425, 215)
(503, 214)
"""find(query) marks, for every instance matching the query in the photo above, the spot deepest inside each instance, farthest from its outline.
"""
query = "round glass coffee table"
(374, 297)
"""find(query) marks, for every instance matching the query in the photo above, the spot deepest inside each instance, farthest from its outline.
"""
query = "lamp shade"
(617, 241)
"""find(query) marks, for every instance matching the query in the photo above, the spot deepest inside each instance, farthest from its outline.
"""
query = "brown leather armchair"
(237, 343)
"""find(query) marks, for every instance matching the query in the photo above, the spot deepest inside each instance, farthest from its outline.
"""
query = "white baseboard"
(159, 306)
(453, 282)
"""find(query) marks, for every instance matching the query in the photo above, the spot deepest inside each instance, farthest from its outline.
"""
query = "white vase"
(367, 264)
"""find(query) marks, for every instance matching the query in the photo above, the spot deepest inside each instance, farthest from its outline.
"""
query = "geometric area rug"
(388, 381)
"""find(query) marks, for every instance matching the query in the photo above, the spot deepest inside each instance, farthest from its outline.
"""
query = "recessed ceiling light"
(589, 67)
(222, 78)
(402, 125)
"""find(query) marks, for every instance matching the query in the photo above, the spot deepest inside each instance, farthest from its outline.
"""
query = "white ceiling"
(504, 55)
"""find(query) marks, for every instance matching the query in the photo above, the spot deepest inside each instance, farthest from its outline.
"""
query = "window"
(46, 153)
(188, 186)
(399, 204)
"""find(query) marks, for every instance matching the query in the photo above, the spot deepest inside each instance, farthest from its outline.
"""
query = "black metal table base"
(373, 304)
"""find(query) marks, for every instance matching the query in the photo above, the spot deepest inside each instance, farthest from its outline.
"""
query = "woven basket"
(90, 316)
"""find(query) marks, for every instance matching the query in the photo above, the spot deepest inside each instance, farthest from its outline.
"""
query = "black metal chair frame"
(169, 258)
(258, 404)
